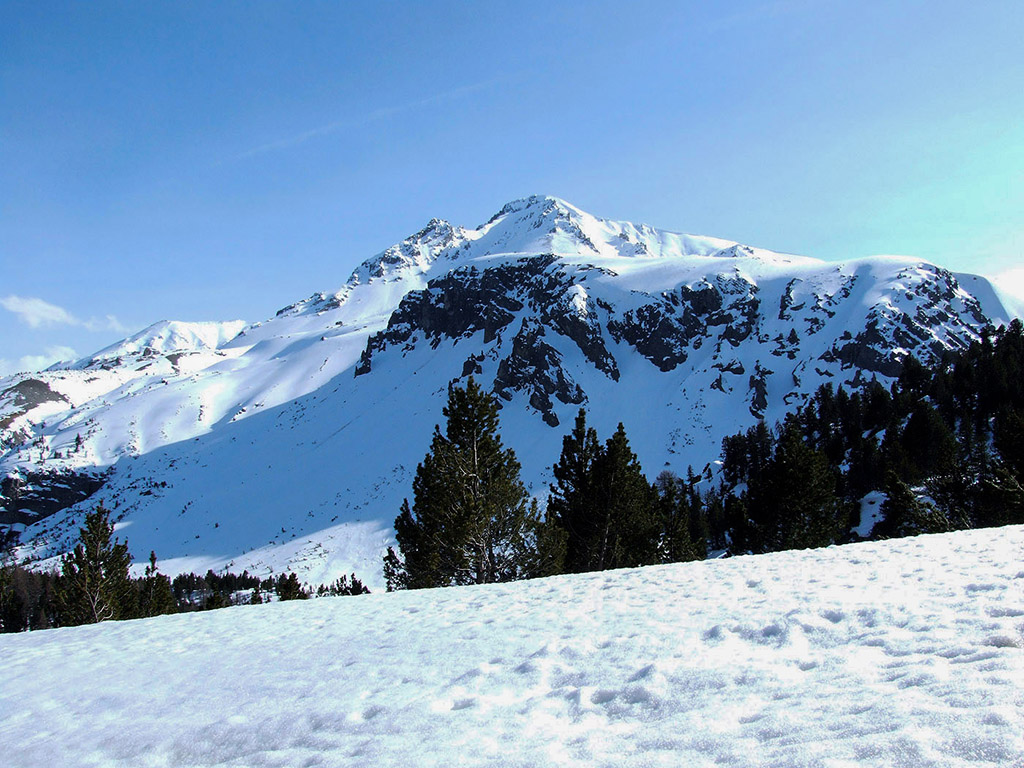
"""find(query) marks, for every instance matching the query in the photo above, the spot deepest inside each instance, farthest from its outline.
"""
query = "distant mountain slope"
(290, 443)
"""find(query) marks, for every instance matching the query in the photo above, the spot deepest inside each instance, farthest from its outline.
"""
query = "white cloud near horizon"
(1011, 280)
(35, 313)
(33, 363)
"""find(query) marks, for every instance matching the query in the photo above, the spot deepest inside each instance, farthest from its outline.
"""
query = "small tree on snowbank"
(470, 522)
(94, 585)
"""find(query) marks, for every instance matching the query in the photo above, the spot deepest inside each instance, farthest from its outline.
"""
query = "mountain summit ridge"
(289, 443)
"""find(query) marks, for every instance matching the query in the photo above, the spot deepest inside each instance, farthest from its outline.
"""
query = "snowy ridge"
(163, 338)
(906, 652)
(166, 348)
(281, 445)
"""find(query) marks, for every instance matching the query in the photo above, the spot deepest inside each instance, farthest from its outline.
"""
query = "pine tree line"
(944, 444)
(94, 585)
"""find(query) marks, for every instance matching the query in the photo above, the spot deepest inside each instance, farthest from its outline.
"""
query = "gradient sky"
(214, 161)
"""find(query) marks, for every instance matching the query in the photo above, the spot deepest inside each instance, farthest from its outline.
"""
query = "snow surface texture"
(901, 653)
(262, 449)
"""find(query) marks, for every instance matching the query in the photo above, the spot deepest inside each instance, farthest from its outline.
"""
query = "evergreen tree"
(865, 466)
(998, 498)
(914, 378)
(741, 534)
(903, 514)
(718, 522)
(676, 511)
(891, 452)
(469, 522)
(344, 585)
(27, 598)
(94, 585)
(878, 408)
(395, 575)
(547, 555)
(794, 504)
(155, 595)
(928, 443)
(626, 530)
(289, 588)
(954, 429)
(572, 502)
(952, 495)
(13, 616)
(1008, 435)
(697, 516)
(744, 456)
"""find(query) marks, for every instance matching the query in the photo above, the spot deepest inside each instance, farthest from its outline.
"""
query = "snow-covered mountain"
(898, 653)
(290, 443)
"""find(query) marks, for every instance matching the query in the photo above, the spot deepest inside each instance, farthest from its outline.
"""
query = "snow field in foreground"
(901, 653)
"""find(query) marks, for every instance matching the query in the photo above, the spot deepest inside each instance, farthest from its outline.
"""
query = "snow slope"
(290, 444)
(902, 653)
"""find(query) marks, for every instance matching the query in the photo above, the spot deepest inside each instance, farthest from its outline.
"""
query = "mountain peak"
(542, 204)
(415, 253)
(436, 229)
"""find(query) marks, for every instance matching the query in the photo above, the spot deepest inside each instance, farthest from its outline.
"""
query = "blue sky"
(204, 161)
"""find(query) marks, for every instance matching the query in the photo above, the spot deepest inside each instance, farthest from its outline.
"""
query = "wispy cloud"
(32, 363)
(36, 313)
(374, 116)
(108, 323)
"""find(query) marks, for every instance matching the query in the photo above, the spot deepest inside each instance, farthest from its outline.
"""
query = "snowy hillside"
(290, 443)
(902, 653)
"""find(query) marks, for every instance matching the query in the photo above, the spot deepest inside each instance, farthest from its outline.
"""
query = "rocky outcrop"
(576, 316)
(463, 302)
(32, 496)
(759, 390)
(665, 330)
(24, 396)
(657, 332)
(544, 298)
(535, 368)
(16, 401)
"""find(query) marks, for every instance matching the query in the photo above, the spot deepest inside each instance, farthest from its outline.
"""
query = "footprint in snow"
(1004, 641)
(986, 587)
(998, 612)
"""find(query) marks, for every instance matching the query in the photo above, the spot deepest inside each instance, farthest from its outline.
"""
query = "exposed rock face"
(22, 397)
(461, 303)
(665, 330)
(655, 331)
(537, 295)
(545, 299)
(890, 332)
(759, 390)
(37, 495)
(535, 367)
(574, 315)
